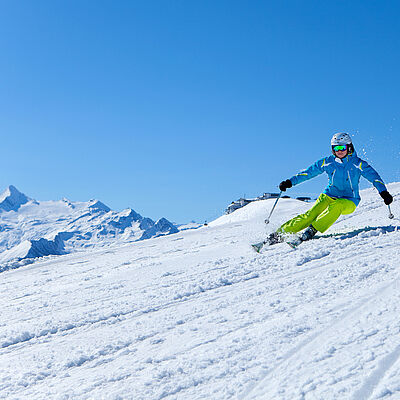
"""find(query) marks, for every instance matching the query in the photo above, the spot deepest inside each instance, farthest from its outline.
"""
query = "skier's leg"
(302, 221)
(332, 213)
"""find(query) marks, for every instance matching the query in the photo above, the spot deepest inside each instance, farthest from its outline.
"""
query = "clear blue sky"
(176, 108)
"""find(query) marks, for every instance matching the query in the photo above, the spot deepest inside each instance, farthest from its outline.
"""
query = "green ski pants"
(321, 215)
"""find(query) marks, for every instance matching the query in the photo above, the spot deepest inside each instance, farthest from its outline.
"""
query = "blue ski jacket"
(344, 176)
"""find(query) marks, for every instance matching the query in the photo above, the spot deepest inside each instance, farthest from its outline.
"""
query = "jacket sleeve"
(309, 173)
(370, 174)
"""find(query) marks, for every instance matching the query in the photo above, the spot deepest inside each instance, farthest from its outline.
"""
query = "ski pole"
(391, 216)
(276, 201)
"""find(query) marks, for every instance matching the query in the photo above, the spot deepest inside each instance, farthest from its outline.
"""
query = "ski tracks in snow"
(375, 387)
(200, 316)
(372, 326)
(309, 370)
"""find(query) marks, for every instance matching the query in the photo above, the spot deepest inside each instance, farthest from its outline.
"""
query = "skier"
(341, 196)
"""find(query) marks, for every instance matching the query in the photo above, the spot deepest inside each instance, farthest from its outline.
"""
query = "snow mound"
(259, 210)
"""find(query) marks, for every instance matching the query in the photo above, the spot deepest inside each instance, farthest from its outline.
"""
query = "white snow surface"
(199, 315)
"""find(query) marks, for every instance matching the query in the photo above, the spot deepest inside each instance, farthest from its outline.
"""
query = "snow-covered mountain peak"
(42, 228)
(96, 205)
(67, 202)
(128, 212)
(12, 199)
(164, 225)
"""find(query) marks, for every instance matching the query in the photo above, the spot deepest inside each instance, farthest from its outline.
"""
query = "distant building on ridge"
(235, 205)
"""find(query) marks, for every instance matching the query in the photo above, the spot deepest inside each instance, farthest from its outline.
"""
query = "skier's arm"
(309, 173)
(370, 174)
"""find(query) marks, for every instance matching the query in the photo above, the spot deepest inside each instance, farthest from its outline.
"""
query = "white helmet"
(340, 138)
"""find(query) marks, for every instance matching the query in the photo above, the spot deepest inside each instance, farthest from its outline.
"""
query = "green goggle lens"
(340, 147)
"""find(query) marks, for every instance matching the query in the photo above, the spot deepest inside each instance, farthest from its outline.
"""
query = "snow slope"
(199, 315)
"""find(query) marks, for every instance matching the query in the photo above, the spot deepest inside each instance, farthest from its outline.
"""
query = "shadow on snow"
(374, 230)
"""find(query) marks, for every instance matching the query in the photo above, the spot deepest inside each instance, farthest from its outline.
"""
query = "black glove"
(386, 196)
(285, 185)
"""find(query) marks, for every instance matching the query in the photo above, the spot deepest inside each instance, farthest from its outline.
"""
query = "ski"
(294, 243)
(258, 246)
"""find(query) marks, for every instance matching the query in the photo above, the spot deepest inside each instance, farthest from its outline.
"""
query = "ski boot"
(308, 234)
(273, 238)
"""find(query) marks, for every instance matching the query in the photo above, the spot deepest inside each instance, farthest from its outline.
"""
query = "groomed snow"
(199, 315)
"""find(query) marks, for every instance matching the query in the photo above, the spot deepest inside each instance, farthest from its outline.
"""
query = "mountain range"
(31, 228)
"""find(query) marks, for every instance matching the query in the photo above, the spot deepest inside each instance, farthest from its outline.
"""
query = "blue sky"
(176, 108)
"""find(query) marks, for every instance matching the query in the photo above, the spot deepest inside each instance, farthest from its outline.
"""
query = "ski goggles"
(340, 147)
